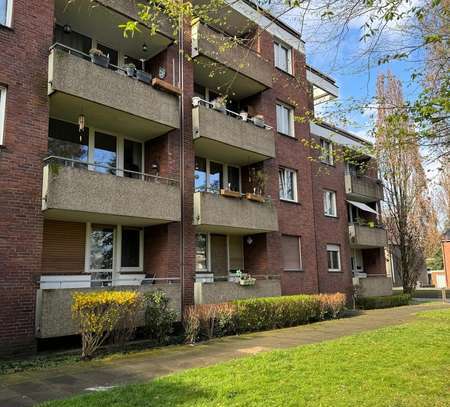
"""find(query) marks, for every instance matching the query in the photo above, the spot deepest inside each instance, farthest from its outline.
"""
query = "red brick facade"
(169, 250)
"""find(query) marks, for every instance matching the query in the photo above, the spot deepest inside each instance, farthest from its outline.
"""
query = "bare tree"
(406, 205)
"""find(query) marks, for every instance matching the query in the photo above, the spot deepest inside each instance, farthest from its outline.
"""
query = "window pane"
(233, 179)
(102, 243)
(281, 183)
(105, 152)
(219, 255)
(73, 40)
(291, 252)
(3, 4)
(65, 140)
(131, 239)
(215, 176)
(200, 174)
(132, 158)
(201, 253)
(289, 185)
(236, 252)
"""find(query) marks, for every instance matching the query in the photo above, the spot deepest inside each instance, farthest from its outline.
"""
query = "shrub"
(209, 320)
(159, 318)
(383, 301)
(258, 314)
(100, 313)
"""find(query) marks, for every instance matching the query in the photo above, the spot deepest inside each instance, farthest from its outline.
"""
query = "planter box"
(248, 281)
(100, 60)
(230, 194)
(254, 197)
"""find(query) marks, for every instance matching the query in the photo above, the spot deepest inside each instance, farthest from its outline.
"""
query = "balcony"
(115, 102)
(73, 192)
(219, 214)
(235, 67)
(239, 142)
(366, 237)
(363, 188)
(324, 87)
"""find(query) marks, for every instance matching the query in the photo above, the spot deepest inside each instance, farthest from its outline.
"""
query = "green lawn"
(407, 365)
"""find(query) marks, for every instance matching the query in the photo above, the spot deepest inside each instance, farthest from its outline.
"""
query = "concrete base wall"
(223, 291)
(53, 307)
(375, 286)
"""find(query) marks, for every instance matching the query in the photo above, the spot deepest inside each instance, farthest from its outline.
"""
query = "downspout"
(181, 108)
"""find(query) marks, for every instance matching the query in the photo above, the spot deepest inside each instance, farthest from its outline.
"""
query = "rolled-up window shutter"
(291, 252)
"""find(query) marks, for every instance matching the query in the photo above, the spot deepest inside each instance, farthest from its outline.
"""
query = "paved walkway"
(28, 388)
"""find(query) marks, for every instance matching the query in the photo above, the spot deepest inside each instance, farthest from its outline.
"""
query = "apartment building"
(127, 168)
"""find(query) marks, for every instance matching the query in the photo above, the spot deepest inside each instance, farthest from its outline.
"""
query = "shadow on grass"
(155, 393)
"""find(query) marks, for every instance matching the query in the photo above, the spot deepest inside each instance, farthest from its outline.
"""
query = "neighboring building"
(393, 268)
(443, 279)
(107, 179)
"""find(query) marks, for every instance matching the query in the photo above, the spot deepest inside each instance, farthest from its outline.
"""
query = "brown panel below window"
(63, 247)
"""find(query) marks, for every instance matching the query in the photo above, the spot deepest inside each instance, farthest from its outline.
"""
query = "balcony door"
(219, 255)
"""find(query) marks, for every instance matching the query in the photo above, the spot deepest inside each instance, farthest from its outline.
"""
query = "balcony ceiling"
(101, 23)
(68, 108)
(224, 80)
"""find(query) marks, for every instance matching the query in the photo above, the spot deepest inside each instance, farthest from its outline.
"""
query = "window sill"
(293, 270)
(287, 136)
(331, 216)
(328, 164)
(6, 28)
(289, 202)
(335, 271)
(291, 75)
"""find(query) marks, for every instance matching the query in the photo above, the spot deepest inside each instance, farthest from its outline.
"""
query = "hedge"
(258, 314)
(387, 301)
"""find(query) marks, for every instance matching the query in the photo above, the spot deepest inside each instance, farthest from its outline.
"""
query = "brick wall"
(23, 69)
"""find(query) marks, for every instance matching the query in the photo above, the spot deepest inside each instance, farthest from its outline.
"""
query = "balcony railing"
(362, 186)
(367, 236)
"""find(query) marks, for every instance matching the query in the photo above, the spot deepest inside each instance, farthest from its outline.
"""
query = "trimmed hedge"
(259, 314)
(387, 301)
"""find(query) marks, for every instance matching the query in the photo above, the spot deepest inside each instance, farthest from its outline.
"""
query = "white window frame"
(3, 92)
(334, 248)
(326, 151)
(9, 13)
(277, 46)
(329, 205)
(280, 108)
(294, 178)
(117, 252)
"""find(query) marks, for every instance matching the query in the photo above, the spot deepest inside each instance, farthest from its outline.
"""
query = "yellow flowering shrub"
(101, 313)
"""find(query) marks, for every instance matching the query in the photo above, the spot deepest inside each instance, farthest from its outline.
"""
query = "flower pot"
(247, 281)
(257, 121)
(144, 77)
(244, 116)
(100, 60)
(130, 71)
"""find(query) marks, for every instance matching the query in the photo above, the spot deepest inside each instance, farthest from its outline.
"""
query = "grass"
(406, 365)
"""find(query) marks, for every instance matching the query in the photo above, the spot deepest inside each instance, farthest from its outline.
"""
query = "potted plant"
(257, 181)
(371, 224)
(99, 58)
(219, 104)
(245, 279)
(130, 69)
(258, 120)
(230, 193)
(144, 76)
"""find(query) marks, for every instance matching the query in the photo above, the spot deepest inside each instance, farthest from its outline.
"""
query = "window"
(212, 176)
(326, 152)
(101, 248)
(105, 153)
(66, 140)
(73, 39)
(334, 257)
(131, 248)
(236, 252)
(356, 260)
(132, 158)
(292, 256)
(112, 54)
(201, 253)
(6, 12)
(285, 120)
(2, 113)
(329, 203)
(288, 184)
(283, 57)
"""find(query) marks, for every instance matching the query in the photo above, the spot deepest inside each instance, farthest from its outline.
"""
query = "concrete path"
(29, 388)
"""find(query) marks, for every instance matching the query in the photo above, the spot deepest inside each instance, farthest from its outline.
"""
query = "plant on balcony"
(229, 193)
(144, 76)
(244, 115)
(99, 58)
(130, 69)
(219, 104)
(258, 120)
(245, 279)
(257, 181)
